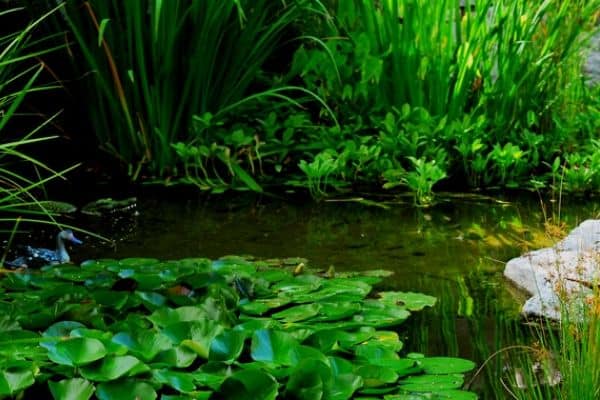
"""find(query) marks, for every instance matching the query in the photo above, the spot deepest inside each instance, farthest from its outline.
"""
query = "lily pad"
(125, 390)
(249, 384)
(71, 389)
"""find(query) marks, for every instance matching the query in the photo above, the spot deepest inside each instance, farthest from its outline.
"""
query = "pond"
(455, 251)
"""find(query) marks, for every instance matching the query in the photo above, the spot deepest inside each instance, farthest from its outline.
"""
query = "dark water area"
(455, 251)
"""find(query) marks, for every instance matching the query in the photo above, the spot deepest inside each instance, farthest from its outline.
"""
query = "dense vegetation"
(329, 96)
(340, 94)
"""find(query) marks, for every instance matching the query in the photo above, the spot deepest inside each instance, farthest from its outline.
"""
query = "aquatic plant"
(196, 328)
(150, 80)
(22, 177)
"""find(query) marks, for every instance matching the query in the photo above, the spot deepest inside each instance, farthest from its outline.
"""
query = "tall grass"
(22, 177)
(155, 64)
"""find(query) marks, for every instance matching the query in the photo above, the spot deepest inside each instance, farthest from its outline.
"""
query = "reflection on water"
(455, 251)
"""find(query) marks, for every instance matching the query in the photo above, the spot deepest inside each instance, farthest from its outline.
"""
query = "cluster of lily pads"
(232, 328)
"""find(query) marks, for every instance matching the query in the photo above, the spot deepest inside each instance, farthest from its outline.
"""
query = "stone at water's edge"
(592, 66)
(558, 273)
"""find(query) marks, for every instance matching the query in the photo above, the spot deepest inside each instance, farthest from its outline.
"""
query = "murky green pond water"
(455, 251)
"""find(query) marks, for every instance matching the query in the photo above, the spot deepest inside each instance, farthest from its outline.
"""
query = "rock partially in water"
(592, 66)
(559, 276)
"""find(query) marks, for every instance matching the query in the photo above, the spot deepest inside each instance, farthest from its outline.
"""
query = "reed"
(154, 65)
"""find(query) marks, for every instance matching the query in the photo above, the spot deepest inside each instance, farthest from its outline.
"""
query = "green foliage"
(143, 328)
(22, 177)
(162, 63)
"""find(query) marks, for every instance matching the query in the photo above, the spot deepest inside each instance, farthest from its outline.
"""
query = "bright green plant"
(420, 180)
(227, 328)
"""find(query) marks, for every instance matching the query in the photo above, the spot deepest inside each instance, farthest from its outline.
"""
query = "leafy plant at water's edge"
(230, 327)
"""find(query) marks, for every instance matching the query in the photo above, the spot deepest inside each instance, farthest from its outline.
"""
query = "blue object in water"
(37, 256)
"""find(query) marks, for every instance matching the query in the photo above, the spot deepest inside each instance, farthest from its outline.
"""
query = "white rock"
(558, 274)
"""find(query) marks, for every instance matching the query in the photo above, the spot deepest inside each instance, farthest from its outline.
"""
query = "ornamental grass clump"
(155, 65)
(22, 177)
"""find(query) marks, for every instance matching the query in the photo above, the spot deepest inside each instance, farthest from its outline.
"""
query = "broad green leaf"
(62, 329)
(373, 353)
(446, 365)
(227, 346)
(181, 381)
(338, 310)
(375, 376)
(168, 316)
(431, 383)
(309, 379)
(261, 306)
(144, 344)
(298, 313)
(15, 380)
(196, 336)
(273, 346)
(77, 351)
(409, 300)
(71, 389)
(125, 390)
(112, 367)
(249, 384)
(179, 357)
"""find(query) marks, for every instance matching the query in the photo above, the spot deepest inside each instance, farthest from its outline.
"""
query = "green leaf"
(77, 351)
(227, 346)
(431, 383)
(309, 379)
(375, 375)
(298, 313)
(62, 329)
(181, 381)
(446, 365)
(409, 300)
(273, 346)
(15, 380)
(144, 344)
(168, 316)
(125, 390)
(112, 367)
(179, 357)
(71, 389)
(101, 29)
(249, 384)
(196, 336)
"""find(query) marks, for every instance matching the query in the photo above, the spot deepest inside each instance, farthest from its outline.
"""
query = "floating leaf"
(77, 351)
(113, 367)
(409, 300)
(430, 383)
(298, 313)
(375, 375)
(227, 346)
(249, 384)
(309, 379)
(180, 381)
(62, 329)
(15, 380)
(125, 390)
(71, 389)
(179, 357)
(196, 336)
(273, 346)
(446, 365)
(143, 344)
